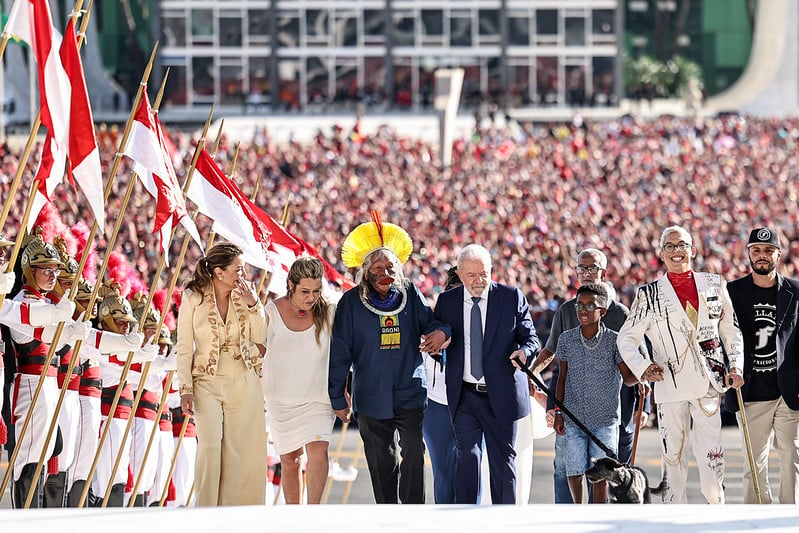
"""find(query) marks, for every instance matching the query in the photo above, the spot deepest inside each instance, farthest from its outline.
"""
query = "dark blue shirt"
(383, 351)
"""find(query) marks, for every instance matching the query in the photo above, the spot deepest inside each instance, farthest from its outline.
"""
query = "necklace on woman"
(593, 346)
(300, 312)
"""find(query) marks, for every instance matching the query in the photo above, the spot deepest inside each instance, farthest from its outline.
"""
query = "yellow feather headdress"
(370, 236)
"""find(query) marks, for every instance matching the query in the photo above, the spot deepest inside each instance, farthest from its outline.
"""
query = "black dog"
(627, 484)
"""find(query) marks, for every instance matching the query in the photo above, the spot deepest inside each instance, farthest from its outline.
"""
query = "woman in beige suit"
(219, 321)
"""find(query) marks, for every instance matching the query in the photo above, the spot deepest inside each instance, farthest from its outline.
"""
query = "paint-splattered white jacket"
(692, 357)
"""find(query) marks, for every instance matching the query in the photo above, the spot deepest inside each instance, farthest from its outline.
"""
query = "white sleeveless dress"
(295, 383)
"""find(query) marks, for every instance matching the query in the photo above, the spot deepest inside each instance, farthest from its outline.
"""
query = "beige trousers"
(771, 422)
(231, 440)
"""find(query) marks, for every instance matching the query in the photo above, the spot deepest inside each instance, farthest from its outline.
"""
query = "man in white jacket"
(687, 316)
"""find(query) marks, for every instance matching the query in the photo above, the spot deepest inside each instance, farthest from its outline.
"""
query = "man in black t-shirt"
(766, 305)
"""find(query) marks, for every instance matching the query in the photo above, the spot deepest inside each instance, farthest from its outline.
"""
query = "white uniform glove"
(7, 280)
(133, 341)
(169, 363)
(111, 342)
(63, 310)
(145, 354)
(76, 331)
(44, 314)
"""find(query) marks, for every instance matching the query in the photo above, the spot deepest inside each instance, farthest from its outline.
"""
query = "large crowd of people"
(532, 196)
(535, 195)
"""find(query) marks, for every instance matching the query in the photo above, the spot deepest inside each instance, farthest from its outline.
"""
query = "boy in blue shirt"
(591, 372)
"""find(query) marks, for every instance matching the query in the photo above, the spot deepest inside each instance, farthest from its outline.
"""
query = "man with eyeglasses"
(767, 305)
(686, 316)
(16, 314)
(591, 268)
(39, 265)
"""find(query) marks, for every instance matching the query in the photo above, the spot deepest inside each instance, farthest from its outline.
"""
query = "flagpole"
(266, 280)
(76, 13)
(23, 163)
(45, 368)
(109, 247)
(230, 175)
(170, 291)
(174, 461)
(146, 368)
(337, 455)
(60, 326)
(218, 137)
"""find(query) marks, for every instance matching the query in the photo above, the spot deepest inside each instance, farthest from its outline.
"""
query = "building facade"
(312, 54)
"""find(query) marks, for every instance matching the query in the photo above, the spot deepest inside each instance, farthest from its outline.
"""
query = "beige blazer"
(692, 357)
(198, 336)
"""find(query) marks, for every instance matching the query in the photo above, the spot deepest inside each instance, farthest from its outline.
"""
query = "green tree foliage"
(646, 77)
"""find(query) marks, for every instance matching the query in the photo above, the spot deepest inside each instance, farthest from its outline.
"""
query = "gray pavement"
(359, 491)
(648, 457)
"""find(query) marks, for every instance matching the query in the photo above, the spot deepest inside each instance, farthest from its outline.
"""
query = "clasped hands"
(434, 342)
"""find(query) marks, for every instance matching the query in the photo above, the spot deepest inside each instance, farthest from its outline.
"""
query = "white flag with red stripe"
(151, 162)
(79, 154)
(84, 156)
(218, 198)
(31, 22)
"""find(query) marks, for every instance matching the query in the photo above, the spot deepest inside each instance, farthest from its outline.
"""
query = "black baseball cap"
(764, 236)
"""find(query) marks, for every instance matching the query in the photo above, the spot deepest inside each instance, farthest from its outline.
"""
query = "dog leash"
(565, 410)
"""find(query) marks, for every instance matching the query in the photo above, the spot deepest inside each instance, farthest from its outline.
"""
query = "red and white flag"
(234, 216)
(330, 273)
(84, 156)
(31, 22)
(285, 248)
(151, 162)
(79, 153)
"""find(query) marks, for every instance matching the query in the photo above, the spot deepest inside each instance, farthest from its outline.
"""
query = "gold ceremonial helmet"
(82, 297)
(37, 253)
(114, 306)
(165, 337)
(69, 267)
(137, 304)
(371, 236)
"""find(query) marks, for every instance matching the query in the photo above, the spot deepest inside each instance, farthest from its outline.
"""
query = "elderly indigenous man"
(380, 329)
(687, 316)
(486, 395)
(40, 264)
(767, 306)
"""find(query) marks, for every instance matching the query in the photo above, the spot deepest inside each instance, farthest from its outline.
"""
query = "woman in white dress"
(295, 379)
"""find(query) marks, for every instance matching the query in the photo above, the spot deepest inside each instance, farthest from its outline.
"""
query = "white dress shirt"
(467, 337)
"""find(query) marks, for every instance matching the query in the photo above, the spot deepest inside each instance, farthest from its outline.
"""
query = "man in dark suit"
(486, 394)
(767, 307)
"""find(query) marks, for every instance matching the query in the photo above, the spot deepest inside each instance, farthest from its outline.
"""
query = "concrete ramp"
(769, 86)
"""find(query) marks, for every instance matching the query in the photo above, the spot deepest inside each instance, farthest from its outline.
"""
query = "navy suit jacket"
(741, 293)
(508, 327)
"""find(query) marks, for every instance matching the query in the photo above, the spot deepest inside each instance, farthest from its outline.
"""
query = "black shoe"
(55, 490)
(23, 485)
(73, 496)
(117, 496)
